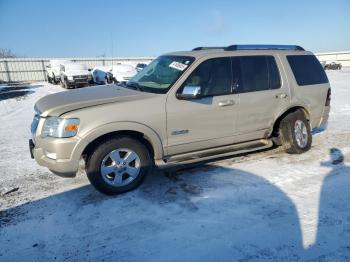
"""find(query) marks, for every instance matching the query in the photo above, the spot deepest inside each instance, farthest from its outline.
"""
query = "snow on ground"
(264, 206)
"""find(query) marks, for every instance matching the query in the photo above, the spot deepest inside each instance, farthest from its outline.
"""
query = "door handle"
(282, 95)
(226, 103)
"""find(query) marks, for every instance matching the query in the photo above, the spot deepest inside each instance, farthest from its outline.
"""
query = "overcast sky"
(66, 28)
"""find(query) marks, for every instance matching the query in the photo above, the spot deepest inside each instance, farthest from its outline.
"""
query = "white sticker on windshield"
(178, 66)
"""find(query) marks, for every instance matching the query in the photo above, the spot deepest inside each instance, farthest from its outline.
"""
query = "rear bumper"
(324, 119)
(325, 116)
(122, 78)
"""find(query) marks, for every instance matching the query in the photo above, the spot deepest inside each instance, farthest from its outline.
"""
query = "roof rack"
(264, 47)
(253, 47)
(207, 47)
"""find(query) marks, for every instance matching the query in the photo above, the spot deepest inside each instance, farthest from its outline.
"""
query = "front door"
(207, 121)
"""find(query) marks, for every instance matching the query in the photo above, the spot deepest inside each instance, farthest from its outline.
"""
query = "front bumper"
(79, 82)
(60, 155)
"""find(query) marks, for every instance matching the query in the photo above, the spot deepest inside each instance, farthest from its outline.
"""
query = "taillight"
(328, 100)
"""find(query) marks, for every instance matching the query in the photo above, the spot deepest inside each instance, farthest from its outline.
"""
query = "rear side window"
(274, 74)
(307, 70)
(258, 73)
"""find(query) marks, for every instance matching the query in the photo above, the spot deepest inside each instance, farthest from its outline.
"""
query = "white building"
(342, 57)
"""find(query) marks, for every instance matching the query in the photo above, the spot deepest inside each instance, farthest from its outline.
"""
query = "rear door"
(262, 95)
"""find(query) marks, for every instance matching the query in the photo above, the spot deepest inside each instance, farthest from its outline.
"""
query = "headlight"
(70, 78)
(89, 76)
(60, 127)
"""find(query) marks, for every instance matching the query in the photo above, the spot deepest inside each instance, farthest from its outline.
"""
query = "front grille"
(82, 77)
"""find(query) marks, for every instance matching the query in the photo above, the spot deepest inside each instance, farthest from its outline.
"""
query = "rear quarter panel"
(311, 97)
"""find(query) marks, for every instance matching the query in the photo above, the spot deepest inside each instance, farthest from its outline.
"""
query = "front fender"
(148, 132)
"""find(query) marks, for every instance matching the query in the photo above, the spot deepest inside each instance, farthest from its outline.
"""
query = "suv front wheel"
(118, 165)
(295, 133)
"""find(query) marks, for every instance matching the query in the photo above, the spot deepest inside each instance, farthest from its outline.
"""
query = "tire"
(295, 133)
(49, 79)
(62, 83)
(54, 79)
(107, 167)
(65, 84)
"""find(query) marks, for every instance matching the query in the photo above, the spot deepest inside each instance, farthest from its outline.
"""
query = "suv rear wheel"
(118, 165)
(295, 133)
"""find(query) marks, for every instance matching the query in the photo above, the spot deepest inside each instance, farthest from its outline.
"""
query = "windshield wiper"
(134, 85)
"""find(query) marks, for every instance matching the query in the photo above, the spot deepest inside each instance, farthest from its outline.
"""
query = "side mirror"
(190, 92)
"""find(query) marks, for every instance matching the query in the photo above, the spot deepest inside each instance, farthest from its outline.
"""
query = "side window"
(254, 74)
(307, 70)
(213, 76)
(258, 73)
(274, 74)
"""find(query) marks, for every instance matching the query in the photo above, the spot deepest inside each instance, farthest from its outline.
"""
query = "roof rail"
(208, 47)
(264, 47)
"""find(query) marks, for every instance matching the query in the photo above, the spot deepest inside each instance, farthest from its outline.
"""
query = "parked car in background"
(53, 70)
(123, 73)
(74, 75)
(184, 107)
(102, 75)
(332, 65)
(140, 66)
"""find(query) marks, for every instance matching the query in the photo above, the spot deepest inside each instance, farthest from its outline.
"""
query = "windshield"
(161, 74)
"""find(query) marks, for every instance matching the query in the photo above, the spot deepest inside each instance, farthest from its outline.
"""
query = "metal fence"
(34, 69)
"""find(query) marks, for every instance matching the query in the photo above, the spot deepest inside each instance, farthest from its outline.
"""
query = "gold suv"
(183, 107)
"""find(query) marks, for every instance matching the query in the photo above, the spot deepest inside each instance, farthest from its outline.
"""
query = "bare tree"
(6, 53)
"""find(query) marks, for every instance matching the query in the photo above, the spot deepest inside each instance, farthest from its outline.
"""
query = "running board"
(213, 153)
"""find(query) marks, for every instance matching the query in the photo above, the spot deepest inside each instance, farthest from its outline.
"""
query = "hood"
(76, 72)
(123, 70)
(63, 102)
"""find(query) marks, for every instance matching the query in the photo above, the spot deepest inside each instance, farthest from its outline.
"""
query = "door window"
(213, 76)
(257, 73)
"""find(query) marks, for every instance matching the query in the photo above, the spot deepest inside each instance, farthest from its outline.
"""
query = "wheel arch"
(282, 115)
(140, 132)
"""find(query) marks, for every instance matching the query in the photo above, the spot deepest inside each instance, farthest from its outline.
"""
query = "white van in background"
(75, 75)
(122, 73)
(53, 70)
